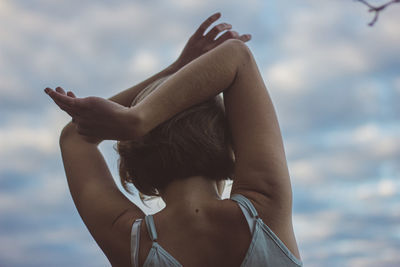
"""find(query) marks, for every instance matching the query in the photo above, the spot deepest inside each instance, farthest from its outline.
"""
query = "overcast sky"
(334, 81)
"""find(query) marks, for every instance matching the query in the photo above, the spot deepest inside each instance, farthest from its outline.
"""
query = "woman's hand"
(199, 43)
(96, 118)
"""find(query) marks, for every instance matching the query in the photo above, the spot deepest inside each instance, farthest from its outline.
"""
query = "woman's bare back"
(217, 236)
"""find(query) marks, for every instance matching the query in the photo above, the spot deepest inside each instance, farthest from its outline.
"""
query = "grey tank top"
(265, 249)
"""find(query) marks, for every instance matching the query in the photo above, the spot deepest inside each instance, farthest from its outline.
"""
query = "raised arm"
(126, 97)
(198, 44)
(102, 119)
(106, 212)
(261, 172)
(261, 168)
(198, 81)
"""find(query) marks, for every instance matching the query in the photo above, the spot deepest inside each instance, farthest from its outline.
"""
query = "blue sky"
(334, 82)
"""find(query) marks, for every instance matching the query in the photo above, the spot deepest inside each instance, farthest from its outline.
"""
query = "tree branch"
(377, 9)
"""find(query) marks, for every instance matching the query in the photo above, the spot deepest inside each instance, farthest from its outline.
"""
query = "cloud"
(354, 153)
(190, 4)
(306, 171)
(315, 50)
(396, 84)
(288, 75)
(85, 46)
(316, 226)
(16, 138)
(28, 142)
(349, 237)
(332, 80)
(321, 63)
(384, 188)
(328, 68)
(48, 246)
(40, 221)
(144, 63)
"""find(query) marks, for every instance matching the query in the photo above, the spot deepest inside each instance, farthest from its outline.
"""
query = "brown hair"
(195, 142)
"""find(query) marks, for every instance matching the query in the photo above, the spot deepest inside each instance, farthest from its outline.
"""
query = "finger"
(216, 30)
(69, 101)
(71, 94)
(63, 106)
(60, 90)
(245, 37)
(227, 35)
(66, 108)
(203, 27)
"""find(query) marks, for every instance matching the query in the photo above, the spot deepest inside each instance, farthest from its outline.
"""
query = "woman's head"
(195, 142)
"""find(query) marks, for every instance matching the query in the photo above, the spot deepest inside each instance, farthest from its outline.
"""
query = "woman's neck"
(190, 194)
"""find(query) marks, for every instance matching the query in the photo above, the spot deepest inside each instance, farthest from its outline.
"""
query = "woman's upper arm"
(101, 205)
(261, 171)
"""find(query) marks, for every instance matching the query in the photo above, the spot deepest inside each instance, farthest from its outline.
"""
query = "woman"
(180, 141)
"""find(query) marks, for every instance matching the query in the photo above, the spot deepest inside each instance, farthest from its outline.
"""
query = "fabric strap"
(245, 202)
(248, 210)
(151, 228)
(135, 237)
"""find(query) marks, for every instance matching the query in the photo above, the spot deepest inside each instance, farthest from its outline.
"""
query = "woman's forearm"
(123, 98)
(198, 81)
(126, 97)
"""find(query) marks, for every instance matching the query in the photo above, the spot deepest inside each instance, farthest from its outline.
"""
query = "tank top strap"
(135, 237)
(246, 203)
(248, 210)
(151, 228)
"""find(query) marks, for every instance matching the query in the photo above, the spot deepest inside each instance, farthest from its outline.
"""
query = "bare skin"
(202, 229)
(194, 210)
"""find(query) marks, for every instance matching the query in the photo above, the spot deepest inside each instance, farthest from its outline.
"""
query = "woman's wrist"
(135, 122)
(174, 67)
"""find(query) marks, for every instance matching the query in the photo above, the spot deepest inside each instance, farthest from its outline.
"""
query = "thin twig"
(377, 9)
